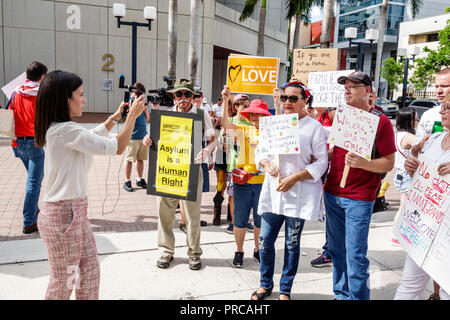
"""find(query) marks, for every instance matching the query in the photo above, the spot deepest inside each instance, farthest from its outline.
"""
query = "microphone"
(122, 81)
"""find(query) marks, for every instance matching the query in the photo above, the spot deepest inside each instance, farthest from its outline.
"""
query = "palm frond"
(415, 5)
(248, 10)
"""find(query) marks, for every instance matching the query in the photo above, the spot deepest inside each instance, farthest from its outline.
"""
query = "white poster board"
(326, 91)
(9, 88)
(354, 130)
(423, 229)
(278, 134)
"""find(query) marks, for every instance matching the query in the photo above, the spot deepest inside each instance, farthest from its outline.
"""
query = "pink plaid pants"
(72, 252)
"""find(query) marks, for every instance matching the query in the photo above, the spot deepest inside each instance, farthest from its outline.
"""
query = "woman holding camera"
(63, 223)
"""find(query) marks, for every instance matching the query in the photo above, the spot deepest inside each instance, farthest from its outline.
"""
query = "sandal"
(284, 294)
(262, 295)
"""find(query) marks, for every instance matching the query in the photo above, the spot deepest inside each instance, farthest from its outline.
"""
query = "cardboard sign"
(326, 91)
(172, 171)
(354, 130)
(313, 60)
(9, 88)
(253, 75)
(423, 229)
(278, 134)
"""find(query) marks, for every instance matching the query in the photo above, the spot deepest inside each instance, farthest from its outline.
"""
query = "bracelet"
(277, 107)
(112, 120)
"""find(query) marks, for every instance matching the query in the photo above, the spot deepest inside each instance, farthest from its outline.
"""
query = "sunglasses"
(187, 94)
(292, 99)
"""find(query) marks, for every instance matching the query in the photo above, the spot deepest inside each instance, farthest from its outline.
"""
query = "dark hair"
(35, 71)
(140, 87)
(405, 120)
(52, 102)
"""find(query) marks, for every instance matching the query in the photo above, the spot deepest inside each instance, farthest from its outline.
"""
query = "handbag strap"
(10, 100)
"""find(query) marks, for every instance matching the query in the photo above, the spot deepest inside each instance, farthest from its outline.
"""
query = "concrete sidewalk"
(128, 269)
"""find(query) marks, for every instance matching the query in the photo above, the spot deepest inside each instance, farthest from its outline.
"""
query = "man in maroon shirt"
(349, 209)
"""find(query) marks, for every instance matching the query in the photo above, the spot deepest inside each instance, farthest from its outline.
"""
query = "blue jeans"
(270, 227)
(348, 223)
(33, 160)
(204, 168)
(246, 197)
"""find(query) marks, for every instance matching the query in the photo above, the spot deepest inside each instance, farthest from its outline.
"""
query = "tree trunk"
(172, 41)
(328, 15)
(261, 30)
(296, 40)
(381, 28)
(194, 40)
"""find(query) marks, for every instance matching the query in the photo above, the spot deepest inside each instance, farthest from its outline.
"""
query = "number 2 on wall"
(109, 62)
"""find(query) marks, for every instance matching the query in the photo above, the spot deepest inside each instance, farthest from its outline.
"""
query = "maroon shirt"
(361, 184)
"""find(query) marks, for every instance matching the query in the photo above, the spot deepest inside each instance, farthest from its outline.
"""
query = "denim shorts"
(246, 197)
(402, 181)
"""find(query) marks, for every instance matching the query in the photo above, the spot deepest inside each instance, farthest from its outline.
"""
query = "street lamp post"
(351, 33)
(402, 53)
(149, 14)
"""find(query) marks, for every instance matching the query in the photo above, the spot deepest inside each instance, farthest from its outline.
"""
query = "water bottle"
(437, 127)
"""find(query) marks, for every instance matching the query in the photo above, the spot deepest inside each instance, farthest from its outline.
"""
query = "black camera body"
(160, 95)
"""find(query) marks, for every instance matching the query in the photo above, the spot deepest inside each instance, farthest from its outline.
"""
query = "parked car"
(390, 109)
(408, 100)
(423, 105)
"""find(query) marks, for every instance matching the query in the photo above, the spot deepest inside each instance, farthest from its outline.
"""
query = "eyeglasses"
(187, 94)
(292, 99)
(353, 87)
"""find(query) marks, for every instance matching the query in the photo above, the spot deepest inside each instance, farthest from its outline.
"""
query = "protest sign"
(9, 88)
(326, 91)
(313, 60)
(423, 229)
(278, 134)
(253, 75)
(172, 172)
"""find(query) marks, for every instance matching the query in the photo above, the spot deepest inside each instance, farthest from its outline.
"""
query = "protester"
(23, 103)
(349, 209)
(246, 194)
(217, 114)
(63, 223)
(437, 148)
(406, 123)
(136, 151)
(299, 181)
(183, 97)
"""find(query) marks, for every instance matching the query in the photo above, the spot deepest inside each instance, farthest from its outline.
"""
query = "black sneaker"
(238, 259)
(141, 183)
(127, 186)
(256, 257)
(322, 261)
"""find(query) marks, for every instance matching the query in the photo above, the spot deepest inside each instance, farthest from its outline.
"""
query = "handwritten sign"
(326, 91)
(278, 134)
(423, 229)
(9, 88)
(172, 172)
(313, 60)
(354, 130)
(254, 75)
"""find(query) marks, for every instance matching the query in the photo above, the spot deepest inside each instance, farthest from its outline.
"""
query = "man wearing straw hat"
(349, 208)
(183, 97)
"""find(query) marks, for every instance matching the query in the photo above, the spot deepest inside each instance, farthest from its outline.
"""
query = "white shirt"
(433, 148)
(401, 154)
(217, 110)
(68, 156)
(427, 121)
(303, 199)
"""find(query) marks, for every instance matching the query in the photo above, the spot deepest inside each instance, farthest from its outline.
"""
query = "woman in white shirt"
(290, 193)
(62, 222)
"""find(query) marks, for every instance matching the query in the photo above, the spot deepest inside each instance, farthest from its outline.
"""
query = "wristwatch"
(112, 120)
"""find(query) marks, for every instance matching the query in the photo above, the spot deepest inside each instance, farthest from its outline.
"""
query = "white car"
(390, 109)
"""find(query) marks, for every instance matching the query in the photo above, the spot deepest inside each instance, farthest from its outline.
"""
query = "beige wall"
(43, 30)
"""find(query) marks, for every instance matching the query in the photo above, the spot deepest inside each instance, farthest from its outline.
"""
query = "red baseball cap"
(257, 106)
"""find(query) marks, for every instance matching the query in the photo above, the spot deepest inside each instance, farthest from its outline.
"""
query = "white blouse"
(68, 156)
(303, 199)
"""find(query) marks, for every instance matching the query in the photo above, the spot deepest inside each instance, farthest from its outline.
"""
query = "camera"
(159, 95)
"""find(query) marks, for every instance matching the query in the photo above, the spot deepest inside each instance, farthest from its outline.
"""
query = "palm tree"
(328, 15)
(172, 40)
(194, 39)
(249, 8)
(415, 6)
(301, 10)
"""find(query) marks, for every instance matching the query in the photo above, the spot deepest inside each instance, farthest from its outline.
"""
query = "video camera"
(161, 97)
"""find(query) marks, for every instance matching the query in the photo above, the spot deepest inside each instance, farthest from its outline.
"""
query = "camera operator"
(137, 151)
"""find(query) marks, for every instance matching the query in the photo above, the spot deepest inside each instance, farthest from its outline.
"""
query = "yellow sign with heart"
(251, 74)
